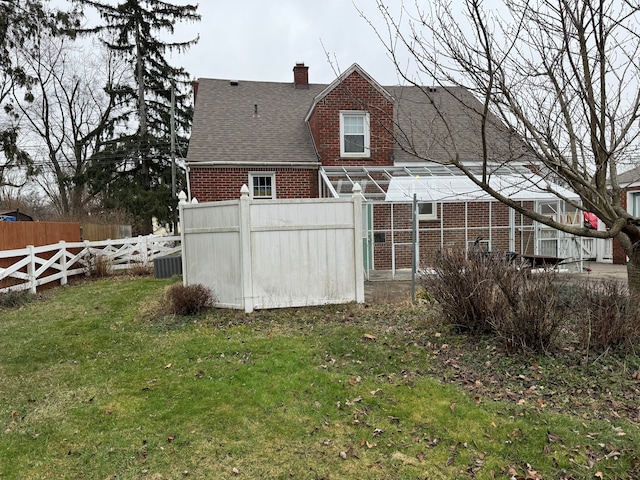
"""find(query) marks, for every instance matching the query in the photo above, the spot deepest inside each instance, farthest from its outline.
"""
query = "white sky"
(264, 39)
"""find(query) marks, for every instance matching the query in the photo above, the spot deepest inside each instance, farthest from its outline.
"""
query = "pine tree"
(133, 170)
(21, 21)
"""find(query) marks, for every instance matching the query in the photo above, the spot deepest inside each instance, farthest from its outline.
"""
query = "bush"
(139, 268)
(466, 290)
(534, 318)
(16, 298)
(188, 299)
(100, 266)
(608, 317)
(482, 293)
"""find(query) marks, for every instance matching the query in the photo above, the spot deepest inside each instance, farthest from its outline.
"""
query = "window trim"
(634, 196)
(270, 175)
(367, 134)
(428, 216)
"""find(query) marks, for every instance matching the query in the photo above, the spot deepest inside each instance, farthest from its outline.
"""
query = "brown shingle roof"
(227, 130)
(420, 128)
(629, 177)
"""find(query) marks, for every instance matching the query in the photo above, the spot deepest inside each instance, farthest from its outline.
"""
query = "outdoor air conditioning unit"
(167, 267)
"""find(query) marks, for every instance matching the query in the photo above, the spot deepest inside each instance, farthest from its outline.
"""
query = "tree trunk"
(633, 270)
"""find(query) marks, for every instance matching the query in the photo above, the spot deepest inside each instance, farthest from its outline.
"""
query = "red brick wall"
(211, 184)
(354, 93)
(479, 215)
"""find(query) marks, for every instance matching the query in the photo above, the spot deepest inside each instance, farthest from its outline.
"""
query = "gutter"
(253, 164)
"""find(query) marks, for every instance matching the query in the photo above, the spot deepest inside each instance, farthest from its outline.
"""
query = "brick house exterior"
(630, 201)
(286, 140)
(356, 92)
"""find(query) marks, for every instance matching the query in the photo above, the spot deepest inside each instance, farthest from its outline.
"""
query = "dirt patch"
(392, 291)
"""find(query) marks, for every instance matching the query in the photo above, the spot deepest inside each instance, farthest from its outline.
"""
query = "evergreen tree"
(133, 170)
(21, 22)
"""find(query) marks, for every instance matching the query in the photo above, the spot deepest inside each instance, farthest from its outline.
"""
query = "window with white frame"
(635, 204)
(263, 186)
(427, 211)
(354, 134)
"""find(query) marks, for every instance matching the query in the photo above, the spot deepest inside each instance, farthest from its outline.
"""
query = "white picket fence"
(32, 267)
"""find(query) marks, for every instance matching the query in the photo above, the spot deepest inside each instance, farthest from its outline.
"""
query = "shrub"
(608, 317)
(188, 299)
(466, 290)
(534, 318)
(100, 266)
(139, 268)
(16, 298)
(482, 293)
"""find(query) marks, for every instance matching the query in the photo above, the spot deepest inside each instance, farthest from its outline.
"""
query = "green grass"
(90, 387)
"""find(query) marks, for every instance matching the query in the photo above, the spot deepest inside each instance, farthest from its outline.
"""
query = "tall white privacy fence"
(276, 253)
(28, 268)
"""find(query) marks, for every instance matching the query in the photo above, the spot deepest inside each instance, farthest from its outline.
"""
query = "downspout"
(315, 149)
(187, 170)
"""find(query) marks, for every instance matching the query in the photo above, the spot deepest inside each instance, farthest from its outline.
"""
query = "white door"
(547, 237)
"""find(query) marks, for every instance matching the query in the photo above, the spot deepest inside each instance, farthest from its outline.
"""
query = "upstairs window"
(263, 186)
(354, 134)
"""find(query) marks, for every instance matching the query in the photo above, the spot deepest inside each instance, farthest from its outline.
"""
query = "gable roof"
(228, 131)
(16, 214)
(422, 132)
(630, 177)
(355, 68)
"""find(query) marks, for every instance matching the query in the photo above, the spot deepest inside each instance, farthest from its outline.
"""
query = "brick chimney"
(300, 76)
(195, 84)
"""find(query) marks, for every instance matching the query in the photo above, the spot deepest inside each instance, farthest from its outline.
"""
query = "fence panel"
(31, 267)
(302, 253)
(94, 232)
(280, 253)
(211, 254)
(15, 235)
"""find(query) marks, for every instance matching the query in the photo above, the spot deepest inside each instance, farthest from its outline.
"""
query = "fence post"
(358, 254)
(145, 250)
(63, 262)
(183, 226)
(245, 249)
(31, 269)
(87, 257)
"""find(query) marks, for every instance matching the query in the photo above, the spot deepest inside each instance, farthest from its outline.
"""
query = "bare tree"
(563, 76)
(74, 108)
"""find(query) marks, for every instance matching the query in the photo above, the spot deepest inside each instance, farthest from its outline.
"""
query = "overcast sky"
(263, 39)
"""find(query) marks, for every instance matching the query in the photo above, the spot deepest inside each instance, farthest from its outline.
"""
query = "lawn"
(93, 386)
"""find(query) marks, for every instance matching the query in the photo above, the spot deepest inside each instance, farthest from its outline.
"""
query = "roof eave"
(213, 163)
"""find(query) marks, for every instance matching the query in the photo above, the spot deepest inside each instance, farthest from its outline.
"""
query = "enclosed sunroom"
(452, 212)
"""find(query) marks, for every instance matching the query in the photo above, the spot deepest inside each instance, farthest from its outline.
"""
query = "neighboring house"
(14, 216)
(302, 140)
(629, 181)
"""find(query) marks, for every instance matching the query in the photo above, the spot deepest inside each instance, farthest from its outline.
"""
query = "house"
(14, 216)
(629, 181)
(305, 140)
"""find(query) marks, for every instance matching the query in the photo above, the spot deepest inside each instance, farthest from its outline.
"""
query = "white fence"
(276, 253)
(28, 268)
